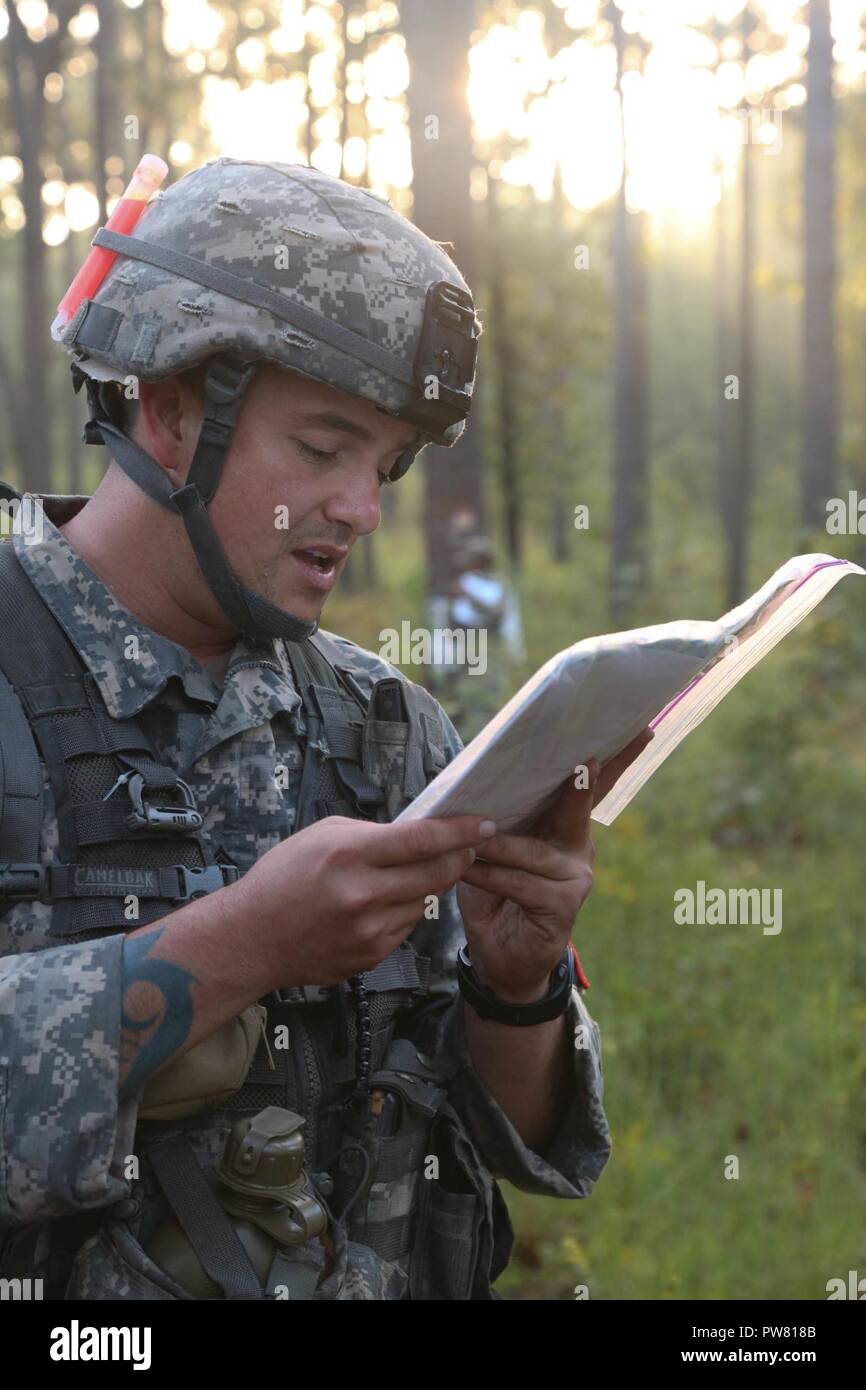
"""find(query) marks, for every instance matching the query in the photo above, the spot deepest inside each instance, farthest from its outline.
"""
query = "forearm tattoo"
(156, 1010)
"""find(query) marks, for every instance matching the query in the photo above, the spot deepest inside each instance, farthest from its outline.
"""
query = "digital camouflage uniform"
(239, 263)
(64, 1136)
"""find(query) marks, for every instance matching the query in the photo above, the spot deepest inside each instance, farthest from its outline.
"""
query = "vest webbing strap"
(20, 780)
(403, 969)
(332, 782)
(47, 694)
(30, 646)
(203, 1220)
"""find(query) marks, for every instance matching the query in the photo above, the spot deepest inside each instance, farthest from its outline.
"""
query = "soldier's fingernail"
(487, 829)
(473, 856)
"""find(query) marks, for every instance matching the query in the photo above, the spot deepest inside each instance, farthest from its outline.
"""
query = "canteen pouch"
(208, 1074)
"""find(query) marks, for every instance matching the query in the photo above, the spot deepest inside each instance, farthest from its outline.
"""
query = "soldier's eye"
(317, 455)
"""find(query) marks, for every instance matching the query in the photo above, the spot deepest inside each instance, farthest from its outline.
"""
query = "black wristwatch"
(488, 1005)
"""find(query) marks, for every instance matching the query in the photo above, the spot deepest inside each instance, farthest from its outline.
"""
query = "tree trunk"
(307, 133)
(725, 359)
(560, 464)
(743, 455)
(28, 116)
(726, 366)
(72, 412)
(157, 100)
(15, 414)
(742, 460)
(437, 39)
(148, 21)
(629, 570)
(819, 436)
(344, 82)
(506, 372)
(371, 574)
(105, 135)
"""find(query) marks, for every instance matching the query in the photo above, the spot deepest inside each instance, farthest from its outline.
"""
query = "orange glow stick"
(145, 181)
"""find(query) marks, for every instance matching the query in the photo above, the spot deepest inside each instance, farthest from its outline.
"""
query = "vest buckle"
(197, 883)
(160, 820)
(21, 882)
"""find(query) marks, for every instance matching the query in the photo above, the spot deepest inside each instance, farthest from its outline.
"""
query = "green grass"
(717, 1041)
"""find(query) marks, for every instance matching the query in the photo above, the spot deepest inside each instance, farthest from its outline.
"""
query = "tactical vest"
(128, 826)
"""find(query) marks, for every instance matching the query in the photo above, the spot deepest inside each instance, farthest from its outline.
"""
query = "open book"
(592, 699)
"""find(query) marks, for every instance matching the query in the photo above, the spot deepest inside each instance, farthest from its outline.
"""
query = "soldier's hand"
(520, 899)
(339, 896)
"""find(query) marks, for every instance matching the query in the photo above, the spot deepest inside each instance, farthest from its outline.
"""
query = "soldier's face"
(301, 482)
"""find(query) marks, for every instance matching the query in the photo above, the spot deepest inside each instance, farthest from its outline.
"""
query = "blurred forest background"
(661, 207)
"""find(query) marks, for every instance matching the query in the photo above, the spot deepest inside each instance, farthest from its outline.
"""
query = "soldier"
(484, 611)
(242, 1058)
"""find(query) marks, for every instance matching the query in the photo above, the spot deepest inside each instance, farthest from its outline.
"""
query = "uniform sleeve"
(573, 1160)
(64, 1135)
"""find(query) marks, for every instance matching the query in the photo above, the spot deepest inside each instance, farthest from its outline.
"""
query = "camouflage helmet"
(242, 262)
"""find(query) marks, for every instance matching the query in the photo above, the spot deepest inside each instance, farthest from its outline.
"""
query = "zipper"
(309, 1089)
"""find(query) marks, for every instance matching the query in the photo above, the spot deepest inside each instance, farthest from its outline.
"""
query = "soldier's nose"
(357, 507)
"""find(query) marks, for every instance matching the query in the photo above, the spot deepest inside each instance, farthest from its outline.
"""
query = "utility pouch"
(463, 1236)
(385, 1150)
(402, 744)
(113, 1265)
(208, 1074)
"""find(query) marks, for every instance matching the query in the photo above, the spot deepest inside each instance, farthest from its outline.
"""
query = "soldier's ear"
(169, 421)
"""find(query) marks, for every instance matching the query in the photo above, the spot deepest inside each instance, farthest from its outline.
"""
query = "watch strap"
(489, 1006)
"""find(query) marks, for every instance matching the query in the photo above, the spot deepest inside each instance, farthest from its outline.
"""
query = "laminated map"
(592, 699)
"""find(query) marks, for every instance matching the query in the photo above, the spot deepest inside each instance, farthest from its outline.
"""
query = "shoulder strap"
(224, 1259)
(333, 782)
(20, 781)
(337, 660)
(115, 842)
(20, 768)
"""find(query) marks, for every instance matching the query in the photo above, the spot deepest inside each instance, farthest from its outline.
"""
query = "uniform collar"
(131, 664)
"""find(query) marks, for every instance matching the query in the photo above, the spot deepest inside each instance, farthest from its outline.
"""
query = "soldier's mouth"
(318, 565)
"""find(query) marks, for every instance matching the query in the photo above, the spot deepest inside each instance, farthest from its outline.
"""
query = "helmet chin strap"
(225, 383)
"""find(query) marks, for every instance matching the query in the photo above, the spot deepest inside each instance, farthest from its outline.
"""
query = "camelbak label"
(110, 881)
